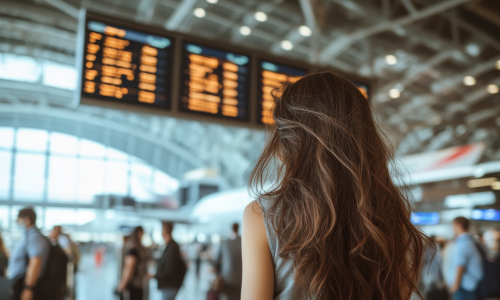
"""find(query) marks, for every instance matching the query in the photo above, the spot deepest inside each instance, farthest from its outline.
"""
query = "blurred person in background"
(489, 286)
(4, 262)
(171, 267)
(229, 265)
(465, 266)
(134, 267)
(64, 240)
(433, 285)
(29, 258)
(4, 259)
(71, 249)
(332, 224)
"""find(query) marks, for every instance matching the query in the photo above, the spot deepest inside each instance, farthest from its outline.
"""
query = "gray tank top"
(284, 284)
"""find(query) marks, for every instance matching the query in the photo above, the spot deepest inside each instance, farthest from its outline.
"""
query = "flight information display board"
(214, 82)
(363, 88)
(273, 76)
(125, 65)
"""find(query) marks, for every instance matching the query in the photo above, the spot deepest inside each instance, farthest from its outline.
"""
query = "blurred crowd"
(464, 268)
(42, 267)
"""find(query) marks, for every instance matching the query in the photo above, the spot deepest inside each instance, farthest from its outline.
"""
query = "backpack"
(52, 284)
(488, 286)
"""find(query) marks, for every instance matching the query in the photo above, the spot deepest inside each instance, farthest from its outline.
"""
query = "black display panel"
(363, 88)
(271, 76)
(126, 65)
(214, 82)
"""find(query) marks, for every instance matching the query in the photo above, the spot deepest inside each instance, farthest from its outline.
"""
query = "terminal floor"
(98, 283)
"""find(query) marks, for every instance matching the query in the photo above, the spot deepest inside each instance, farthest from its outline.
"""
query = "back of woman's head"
(342, 220)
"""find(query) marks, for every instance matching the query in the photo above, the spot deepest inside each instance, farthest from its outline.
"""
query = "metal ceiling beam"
(338, 46)
(64, 7)
(475, 31)
(480, 93)
(414, 72)
(146, 10)
(180, 13)
(37, 33)
(308, 11)
(409, 6)
(478, 69)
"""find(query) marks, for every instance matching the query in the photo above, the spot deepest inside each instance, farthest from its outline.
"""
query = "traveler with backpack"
(465, 269)
(37, 269)
(489, 286)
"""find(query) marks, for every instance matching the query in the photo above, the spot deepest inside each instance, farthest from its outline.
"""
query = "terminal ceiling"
(436, 43)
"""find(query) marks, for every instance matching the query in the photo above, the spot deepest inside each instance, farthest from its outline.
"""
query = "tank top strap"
(265, 205)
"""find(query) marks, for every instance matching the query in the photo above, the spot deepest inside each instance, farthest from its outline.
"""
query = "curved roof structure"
(436, 44)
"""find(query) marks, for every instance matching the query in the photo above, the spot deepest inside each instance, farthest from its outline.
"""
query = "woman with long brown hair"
(329, 222)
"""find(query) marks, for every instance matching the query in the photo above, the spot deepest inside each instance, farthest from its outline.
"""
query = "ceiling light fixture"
(305, 31)
(245, 30)
(394, 93)
(481, 182)
(212, 1)
(492, 89)
(287, 45)
(469, 80)
(391, 59)
(473, 49)
(260, 16)
(200, 12)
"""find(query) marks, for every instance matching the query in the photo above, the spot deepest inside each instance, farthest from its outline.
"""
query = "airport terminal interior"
(123, 113)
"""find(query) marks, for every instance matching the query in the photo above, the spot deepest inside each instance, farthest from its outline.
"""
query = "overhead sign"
(486, 214)
(132, 66)
(126, 65)
(214, 82)
(425, 218)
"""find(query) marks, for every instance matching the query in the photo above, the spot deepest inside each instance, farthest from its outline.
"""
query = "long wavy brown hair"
(335, 208)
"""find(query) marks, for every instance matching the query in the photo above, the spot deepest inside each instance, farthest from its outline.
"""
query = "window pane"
(164, 184)
(29, 177)
(59, 216)
(4, 217)
(84, 216)
(116, 178)
(91, 149)
(19, 68)
(114, 154)
(61, 143)
(140, 182)
(63, 178)
(6, 137)
(91, 179)
(32, 139)
(59, 75)
(5, 163)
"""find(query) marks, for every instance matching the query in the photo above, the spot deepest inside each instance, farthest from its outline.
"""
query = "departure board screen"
(273, 76)
(125, 65)
(214, 82)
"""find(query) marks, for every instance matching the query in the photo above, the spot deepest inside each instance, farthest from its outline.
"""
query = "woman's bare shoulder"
(253, 218)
